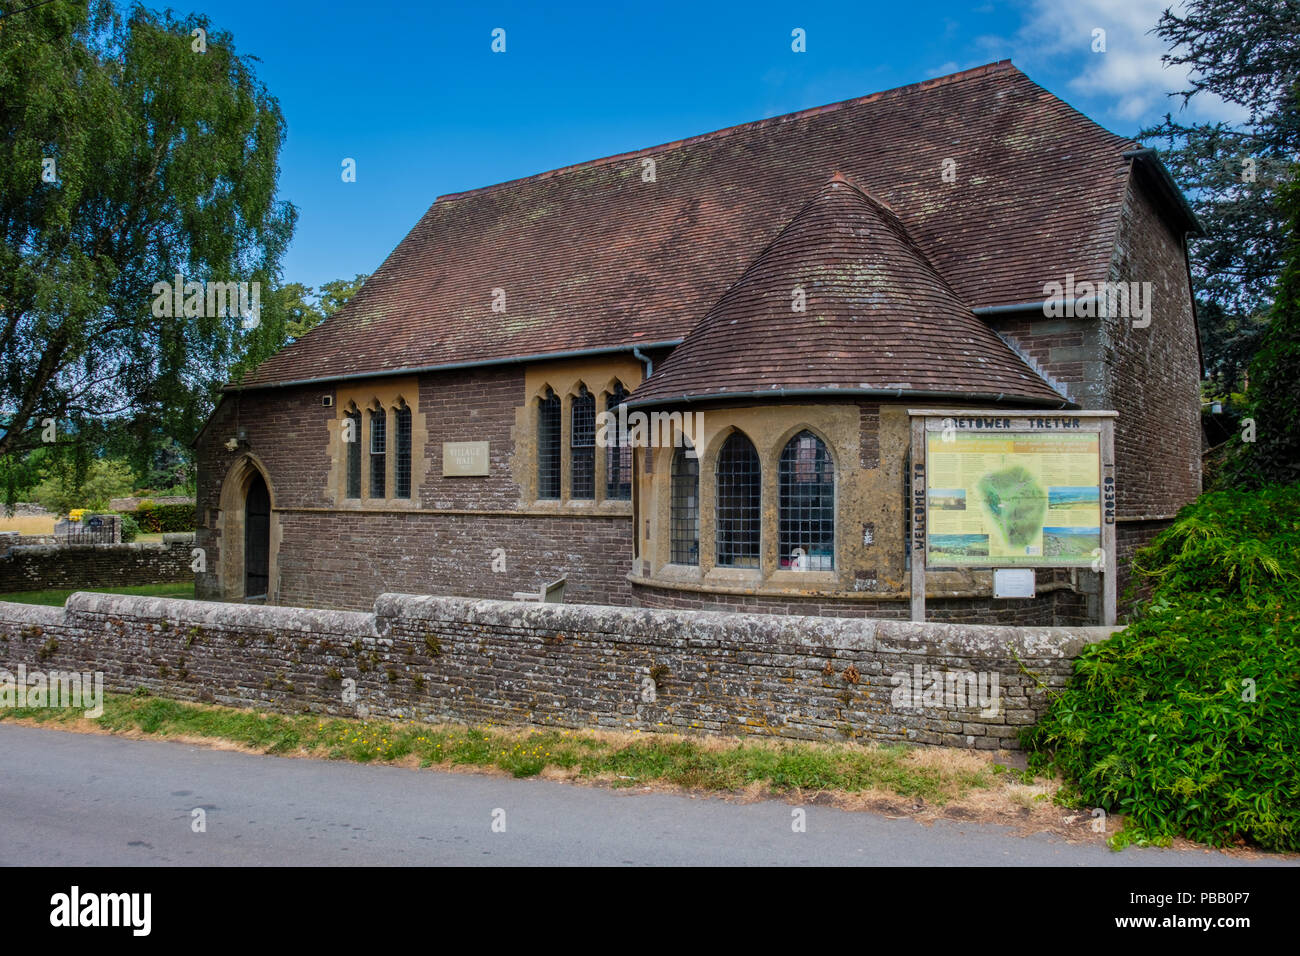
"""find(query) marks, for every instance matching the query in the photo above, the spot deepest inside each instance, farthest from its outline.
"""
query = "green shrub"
(130, 528)
(104, 479)
(175, 491)
(1188, 720)
(156, 518)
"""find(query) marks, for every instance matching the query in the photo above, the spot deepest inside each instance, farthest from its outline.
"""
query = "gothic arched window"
(378, 451)
(402, 466)
(618, 454)
(548, 446)
(738, 517)
(685, 507)
(806, 516)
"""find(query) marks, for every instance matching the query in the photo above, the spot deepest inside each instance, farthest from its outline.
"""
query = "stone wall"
(1066, 350)
(456, 535)
(568, 665)
(1056, 603)
(1153, 377)
(50, 567)
(132, 504)
(346, 560)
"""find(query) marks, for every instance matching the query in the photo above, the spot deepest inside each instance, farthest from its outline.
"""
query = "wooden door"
(257, 539)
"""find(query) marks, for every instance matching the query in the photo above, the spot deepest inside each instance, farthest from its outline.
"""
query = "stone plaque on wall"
(462, 458)
(1013, 583)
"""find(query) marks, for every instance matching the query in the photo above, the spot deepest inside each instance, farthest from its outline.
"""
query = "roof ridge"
(999, 66)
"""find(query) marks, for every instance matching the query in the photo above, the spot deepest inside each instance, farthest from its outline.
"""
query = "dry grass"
(41, 524)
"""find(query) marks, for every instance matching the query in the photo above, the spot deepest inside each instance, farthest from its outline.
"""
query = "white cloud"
(1130, 72)
(943, 70)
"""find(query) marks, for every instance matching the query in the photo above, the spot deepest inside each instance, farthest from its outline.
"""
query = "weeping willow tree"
(134, 148)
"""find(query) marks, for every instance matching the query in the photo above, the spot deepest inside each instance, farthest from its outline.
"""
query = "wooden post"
(917, 523)
(1110, 563)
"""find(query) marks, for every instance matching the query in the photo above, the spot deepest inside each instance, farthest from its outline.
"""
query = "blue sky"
(415, 95)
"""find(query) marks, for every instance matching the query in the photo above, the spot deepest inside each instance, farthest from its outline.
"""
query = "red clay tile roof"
(592, 257)
(876, 317)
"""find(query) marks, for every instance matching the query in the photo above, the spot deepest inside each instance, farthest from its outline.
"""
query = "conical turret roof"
(843, 300)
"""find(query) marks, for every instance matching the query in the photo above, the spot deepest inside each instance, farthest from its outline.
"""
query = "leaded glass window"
(618, 453)
(582, 442)
(806, 480)
(378, 451)
(548, 446)
(738, 516)
(354, 454)
(685, 507)
(402, 466)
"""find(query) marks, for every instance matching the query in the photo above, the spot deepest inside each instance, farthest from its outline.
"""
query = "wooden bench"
(552, 593)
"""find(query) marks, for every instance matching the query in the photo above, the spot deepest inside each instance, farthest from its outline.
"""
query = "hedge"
(156, 518)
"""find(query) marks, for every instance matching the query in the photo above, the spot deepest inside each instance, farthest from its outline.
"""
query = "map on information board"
(1013, 498)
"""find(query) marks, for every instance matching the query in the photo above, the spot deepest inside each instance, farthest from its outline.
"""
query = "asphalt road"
(70, 799)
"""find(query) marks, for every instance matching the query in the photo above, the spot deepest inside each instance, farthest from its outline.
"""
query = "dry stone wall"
(53, 567)
(462, 660)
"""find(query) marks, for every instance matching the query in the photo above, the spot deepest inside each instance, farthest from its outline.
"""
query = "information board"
(998, 490)
(998, 499)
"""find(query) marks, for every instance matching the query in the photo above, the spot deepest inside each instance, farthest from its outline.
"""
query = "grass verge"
(614, 759)
(57, 598)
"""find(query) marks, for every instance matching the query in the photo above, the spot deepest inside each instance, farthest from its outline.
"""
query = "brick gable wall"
(1153, 381)
(1149, 375)
(1153, 373)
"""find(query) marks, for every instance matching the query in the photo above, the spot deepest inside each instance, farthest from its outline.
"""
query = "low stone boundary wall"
(50, 567)
(131, 504)
(456, 659)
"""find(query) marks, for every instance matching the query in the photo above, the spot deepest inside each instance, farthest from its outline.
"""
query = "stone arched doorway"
(249, 533)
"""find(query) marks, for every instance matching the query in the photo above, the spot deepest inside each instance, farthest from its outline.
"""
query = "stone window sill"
(825, 580)
(690, 573)
(814, 584)
(751, 577)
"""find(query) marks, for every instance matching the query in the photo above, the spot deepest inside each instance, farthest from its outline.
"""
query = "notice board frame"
(924, 420)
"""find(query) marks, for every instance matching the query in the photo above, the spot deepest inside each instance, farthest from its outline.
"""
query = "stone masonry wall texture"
(330, 557)
(1153, 377)
(41, 567)
(346, 560)
(451, 659)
